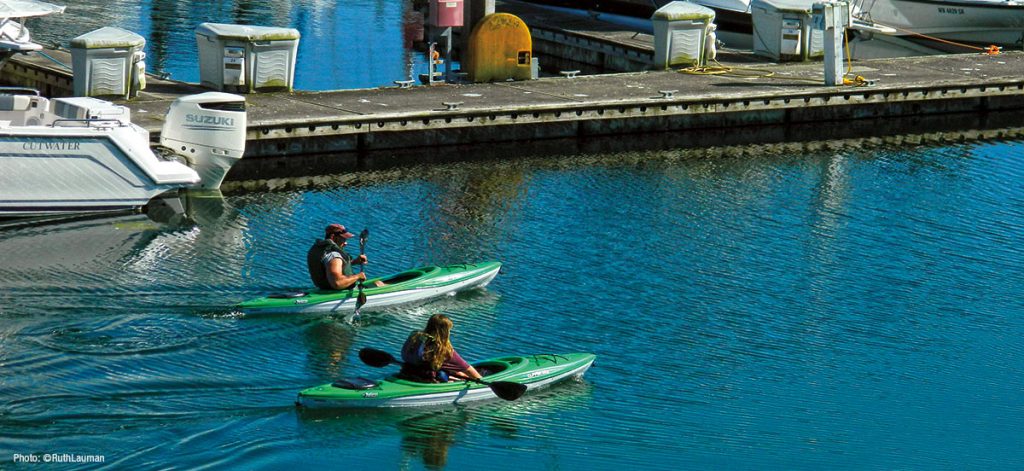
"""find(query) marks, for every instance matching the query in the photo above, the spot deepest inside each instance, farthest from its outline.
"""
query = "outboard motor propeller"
(208, 130)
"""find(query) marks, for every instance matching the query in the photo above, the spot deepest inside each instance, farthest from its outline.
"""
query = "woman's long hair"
(437, 346)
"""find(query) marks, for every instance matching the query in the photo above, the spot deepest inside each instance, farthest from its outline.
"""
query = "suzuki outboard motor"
(208, 130)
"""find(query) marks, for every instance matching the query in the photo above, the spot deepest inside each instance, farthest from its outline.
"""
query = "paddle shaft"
(361, 298)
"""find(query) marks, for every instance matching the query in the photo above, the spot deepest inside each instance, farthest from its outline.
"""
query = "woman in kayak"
(429, 356)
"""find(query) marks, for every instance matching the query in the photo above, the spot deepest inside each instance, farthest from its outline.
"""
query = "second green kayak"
(534, 371)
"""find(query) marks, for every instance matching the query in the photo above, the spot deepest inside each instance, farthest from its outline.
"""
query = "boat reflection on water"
(197, 207)
(329, 344)
(432, 434)
(476, 308)
(116, 254)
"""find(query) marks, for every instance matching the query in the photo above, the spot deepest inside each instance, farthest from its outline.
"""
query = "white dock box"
(246, 59)
(783, 30)
(680, 31)
(108, 61)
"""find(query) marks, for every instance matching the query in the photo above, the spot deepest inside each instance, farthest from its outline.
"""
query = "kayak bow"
(535, 371)
(409, 286)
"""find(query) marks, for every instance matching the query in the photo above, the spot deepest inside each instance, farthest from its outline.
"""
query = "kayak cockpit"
(498, 365)
(408, 275)
(355, 384)
(485, 368)
(489, 368)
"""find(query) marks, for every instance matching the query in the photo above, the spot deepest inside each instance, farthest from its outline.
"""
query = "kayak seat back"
(354, 383)
(288, 295)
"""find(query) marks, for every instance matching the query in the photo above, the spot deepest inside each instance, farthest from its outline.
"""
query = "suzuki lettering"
(215, 120)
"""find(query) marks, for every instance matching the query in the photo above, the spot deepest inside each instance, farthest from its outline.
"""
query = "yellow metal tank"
(500, 48)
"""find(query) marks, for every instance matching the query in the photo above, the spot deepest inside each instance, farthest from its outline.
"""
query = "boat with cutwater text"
(83, 155)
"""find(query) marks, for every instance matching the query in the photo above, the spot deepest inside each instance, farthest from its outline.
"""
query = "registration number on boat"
(951, 11)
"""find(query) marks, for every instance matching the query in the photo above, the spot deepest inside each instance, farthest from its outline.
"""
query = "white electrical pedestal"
(833, 17)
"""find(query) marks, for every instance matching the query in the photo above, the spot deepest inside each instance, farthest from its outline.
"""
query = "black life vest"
(314, 262)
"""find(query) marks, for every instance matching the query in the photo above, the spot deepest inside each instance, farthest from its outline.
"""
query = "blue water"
(756, 308)
(850, 308)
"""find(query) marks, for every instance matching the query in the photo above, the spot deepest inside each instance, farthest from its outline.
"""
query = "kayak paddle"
(361, 299)
(506, 390)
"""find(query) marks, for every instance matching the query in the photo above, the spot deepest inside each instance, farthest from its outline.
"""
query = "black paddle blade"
(362, 239)
(507, 390)
(376, 358)
(360, 299)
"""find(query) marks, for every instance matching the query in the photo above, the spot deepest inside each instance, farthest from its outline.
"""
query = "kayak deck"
(404, 287)
(535, 371)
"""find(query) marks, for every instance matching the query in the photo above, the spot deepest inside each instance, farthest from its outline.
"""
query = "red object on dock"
(446, 13)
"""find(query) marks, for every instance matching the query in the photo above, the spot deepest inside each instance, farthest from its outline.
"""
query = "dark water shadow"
(356, 169)
(430, 434)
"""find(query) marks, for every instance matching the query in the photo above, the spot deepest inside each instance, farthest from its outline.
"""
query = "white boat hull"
(85, 155)
(80, 170)
(978, 23)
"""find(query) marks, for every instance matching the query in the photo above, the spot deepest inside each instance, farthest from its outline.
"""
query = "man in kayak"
(330, 267)
(428, 354)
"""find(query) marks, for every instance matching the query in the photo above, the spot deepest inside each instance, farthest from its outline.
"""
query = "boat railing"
(861, 9)
(88, 122)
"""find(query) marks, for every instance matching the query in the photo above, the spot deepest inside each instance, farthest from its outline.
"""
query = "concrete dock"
(734, 104)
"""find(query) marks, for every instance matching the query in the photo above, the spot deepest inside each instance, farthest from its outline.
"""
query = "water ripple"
(756, 305)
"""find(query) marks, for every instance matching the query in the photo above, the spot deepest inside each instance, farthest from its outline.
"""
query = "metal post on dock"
(431, 75)
(447, 34)
(445, 14)
(832, 18)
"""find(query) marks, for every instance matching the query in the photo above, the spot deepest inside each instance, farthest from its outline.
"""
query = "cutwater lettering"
(54, 145)
(214, 120)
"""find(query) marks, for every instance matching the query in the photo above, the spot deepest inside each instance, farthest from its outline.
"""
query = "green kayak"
(534, 371)
(417, 284)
